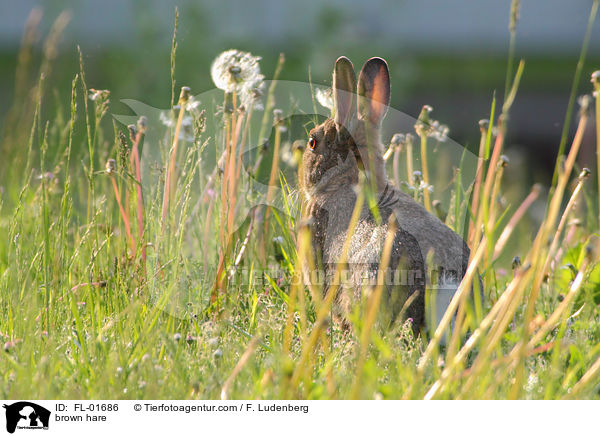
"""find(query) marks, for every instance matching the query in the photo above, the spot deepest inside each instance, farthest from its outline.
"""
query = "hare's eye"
(312, 143)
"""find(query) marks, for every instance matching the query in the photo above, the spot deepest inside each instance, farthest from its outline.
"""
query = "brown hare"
(426, 254)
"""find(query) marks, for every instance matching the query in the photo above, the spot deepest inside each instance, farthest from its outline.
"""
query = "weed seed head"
(515, 8)
(99, 95)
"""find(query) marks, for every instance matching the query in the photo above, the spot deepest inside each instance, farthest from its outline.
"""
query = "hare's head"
(349, 141)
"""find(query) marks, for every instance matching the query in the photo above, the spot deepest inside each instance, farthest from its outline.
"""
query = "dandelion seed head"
(239, 72)
(277, 115)
(132, 130)
(287, 154)
(192, 104)
(166, 120)
(142, 123)
(111, 166)
(325, 97)
(252, 93)
(428, 127)
(169, 119)
(438, 131)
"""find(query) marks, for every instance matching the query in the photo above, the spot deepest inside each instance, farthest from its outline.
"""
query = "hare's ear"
(344, 86)
(373, 90)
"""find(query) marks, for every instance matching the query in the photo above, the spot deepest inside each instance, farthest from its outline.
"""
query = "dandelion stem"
(373, 305)
(170, 177)
(596, 82)
(409, 158)
(123, 214)
(425, 169)
(574, 88)
(140, 199)
(484, 126)
(508, 229)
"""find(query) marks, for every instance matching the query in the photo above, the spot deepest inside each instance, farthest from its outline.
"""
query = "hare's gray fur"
(337, 151)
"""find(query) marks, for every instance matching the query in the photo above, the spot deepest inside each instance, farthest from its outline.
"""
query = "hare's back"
(448, 250)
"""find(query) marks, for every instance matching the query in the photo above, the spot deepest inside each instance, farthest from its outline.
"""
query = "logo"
(26, 415)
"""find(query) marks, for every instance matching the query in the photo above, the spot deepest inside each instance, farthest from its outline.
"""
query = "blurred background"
(450, 55)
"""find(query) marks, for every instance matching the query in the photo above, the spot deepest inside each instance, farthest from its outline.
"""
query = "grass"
(114, 287)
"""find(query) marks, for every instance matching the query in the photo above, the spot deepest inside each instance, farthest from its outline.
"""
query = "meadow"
(158, 255)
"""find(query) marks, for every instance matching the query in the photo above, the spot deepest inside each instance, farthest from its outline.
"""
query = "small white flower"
(532, 381)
